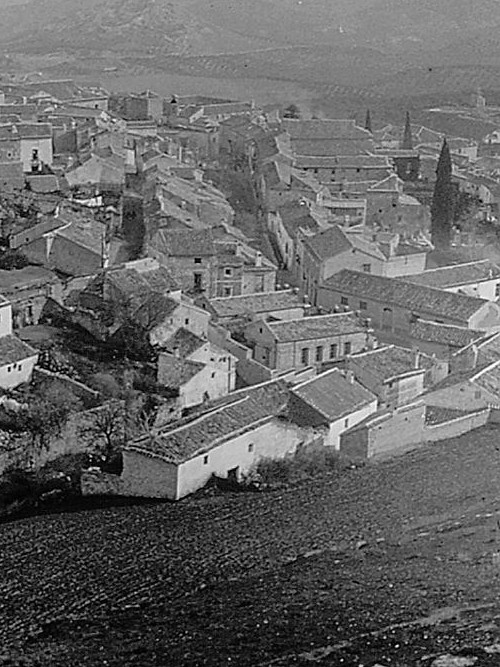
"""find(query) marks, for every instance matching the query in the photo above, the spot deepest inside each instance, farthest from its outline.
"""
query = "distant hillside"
(382, 48)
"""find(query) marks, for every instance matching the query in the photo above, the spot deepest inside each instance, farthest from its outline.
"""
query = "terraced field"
(390, 563)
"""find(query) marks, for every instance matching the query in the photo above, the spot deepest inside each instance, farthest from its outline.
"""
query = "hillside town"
(191, 285)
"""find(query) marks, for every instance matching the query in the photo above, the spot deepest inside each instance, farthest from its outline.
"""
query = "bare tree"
(107, 424)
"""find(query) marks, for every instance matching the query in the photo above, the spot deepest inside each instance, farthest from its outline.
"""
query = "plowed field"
(393, 563)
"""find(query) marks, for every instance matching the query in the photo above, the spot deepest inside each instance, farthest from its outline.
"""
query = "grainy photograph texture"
(249, 333)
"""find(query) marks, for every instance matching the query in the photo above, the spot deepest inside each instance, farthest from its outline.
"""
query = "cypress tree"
(368, 121)
(407, 137)
(443, 201)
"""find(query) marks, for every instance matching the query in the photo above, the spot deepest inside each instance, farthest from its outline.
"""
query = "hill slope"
(385, 565)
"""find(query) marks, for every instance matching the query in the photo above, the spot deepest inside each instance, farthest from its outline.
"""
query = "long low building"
(227, 442)
(393, 305)
(481, 279)
(307, 341)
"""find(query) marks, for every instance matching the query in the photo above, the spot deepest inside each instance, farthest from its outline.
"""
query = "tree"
(368, 121)
(44, 415)
(291, 111)
(107, 423)
(407, 143)
(443, 201)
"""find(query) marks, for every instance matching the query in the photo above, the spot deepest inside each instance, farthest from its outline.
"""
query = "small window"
(319, 353)
(344, 300)
(363, 305)
(213, 375)
(228, 272)
(197, 260)
(228, 291)
(477, 394)
(347, 348)
(250, 447)
(333, 351)
(304, 356)
(346, 423)
(205, 460)
(367, 268)
(9, 369)
(186, 321)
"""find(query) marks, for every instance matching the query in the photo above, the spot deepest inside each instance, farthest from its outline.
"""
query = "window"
(304, 356)
(228, 272)
(344, 300)
(250, 447)
(198, 281)
(333, 351)
(363, 305)
(347, 348)
(367, 268)
(319, 353)
(197, 260)
(205, 460)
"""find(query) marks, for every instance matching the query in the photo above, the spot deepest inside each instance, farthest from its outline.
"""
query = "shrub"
(304, 465)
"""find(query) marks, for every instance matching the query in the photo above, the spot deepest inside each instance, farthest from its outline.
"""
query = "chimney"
(258, 259)
(416, 358)
(349, 376)
(475, 354)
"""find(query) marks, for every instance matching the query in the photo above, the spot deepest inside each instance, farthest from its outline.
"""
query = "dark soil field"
(393, 564)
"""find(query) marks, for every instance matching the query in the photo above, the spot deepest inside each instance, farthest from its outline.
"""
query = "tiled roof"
(316, 326)
(404, 294)
(332, 395)
(324, 129)
(185, 243)
(490, 379)
(437, 415)
(34, 130)
(341, 161)
(306, 180)
(88, 234)
(328, 243)
(183, 342)
(445, 334)
(160, 280)
(261, 302)
(7, 132)
(13, 350)
(390, 184)
(403, 249)
(179, 443)
(21, 278)
(457, 274)
(488, 348)
(391, 361)
(180, 371)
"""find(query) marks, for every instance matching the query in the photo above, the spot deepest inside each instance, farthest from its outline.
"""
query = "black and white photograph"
(249, 333)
